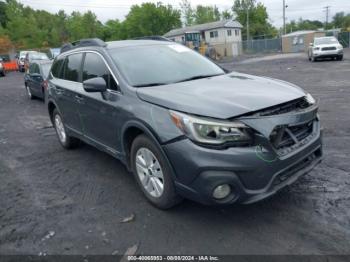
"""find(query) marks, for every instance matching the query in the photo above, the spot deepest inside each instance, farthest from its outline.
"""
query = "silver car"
(325, 47)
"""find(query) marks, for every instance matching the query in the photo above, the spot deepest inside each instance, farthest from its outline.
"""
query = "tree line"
(23, 27)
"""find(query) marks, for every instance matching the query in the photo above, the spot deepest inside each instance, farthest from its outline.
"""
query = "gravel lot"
(55, 201)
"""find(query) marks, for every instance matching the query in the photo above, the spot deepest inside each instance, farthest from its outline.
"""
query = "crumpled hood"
(222, 96)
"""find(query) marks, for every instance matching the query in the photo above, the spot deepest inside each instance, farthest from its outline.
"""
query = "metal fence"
(262, 45)
(344, 39)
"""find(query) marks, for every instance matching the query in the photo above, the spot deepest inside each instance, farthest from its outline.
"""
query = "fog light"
(221, 191)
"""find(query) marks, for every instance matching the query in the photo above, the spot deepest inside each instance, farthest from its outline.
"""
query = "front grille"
(329, 48)
(291, 106)
(287, 138)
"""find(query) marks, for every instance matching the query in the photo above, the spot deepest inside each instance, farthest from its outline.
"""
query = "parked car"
(180, 123)
(20, 59)
(53, 52)
(31, 56)
(325, 47)
(35, 79)
(2, 68)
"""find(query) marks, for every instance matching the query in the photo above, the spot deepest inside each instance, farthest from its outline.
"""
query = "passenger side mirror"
(96, 84)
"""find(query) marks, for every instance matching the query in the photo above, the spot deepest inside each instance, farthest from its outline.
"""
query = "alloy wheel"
(60, 129)
(149, 172)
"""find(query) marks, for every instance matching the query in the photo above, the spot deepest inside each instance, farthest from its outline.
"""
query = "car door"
(27, 77)
(64, 85)
(99, 111)
(36, 80)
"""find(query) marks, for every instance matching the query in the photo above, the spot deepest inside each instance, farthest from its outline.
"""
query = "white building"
(225, 36)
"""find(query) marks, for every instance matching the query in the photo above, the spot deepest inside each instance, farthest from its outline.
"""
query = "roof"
(203, 27)
(128, 43)
(301, 32)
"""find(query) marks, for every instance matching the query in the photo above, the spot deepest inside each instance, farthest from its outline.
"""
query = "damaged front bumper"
(255, 172)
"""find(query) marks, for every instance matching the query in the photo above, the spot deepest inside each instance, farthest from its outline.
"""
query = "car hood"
(327, 45)
(222, 96)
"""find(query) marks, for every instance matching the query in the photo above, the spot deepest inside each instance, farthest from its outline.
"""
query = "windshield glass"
(45, 69)
(325, 41)
(162, 64)
(39, 56)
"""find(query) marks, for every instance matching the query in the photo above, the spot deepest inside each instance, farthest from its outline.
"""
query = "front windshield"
(39, 56)
(162, 64)
(325, 41)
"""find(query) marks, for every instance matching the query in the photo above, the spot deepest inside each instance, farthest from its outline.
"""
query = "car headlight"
(340, 47)
(212, 132)
(316, 48)
(310, 99)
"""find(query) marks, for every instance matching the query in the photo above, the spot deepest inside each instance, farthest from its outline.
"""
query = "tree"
(259, 26)
(341, 20)
(206, 14)
(3, 18)
(151, 19)
(5, 44)
(303, 25)
(83, 26)
(226, 14)
(113, 30)
(187, 12)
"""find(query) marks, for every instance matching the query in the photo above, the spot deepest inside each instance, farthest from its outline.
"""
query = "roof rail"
(153, 37)
(83, 43)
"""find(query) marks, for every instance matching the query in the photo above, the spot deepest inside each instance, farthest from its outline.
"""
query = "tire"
(312, 59)
(29, 93)
(152, 173)
(340, 58)
(68, 142)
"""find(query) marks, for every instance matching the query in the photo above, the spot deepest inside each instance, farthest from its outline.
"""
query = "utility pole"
(247, 23)
(327, 15)
(284, 17)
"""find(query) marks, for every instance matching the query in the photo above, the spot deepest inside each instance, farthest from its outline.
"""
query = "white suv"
(325, 47)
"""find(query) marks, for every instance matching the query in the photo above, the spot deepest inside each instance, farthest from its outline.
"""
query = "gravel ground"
(55, 201)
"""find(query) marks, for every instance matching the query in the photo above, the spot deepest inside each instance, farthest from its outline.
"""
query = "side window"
(72, 67)
(56, 67)
(94, 66)
(32, 68)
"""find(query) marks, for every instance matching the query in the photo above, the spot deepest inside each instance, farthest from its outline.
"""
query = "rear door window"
(94, 66)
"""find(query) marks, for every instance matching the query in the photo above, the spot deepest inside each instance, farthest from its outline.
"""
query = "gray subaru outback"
(182, 125)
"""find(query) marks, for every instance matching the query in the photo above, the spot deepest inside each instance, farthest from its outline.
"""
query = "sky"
(112, 9)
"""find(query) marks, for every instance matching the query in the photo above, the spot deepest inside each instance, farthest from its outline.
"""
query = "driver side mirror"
(96, 84)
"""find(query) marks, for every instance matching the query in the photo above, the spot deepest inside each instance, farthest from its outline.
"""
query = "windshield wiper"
(197, 77)
(150, 84)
